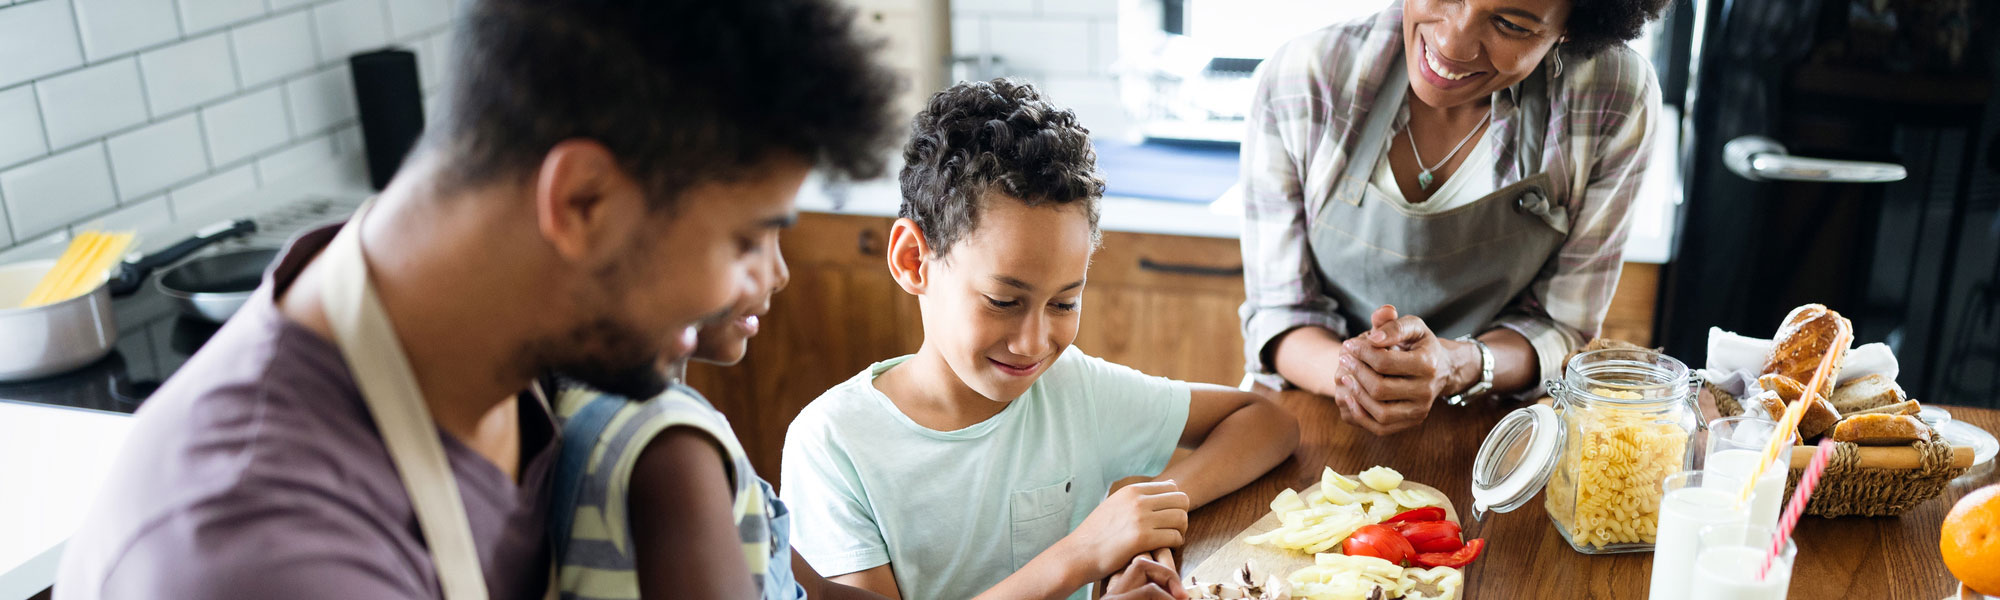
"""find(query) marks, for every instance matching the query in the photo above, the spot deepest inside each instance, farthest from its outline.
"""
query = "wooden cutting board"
(1268, 560)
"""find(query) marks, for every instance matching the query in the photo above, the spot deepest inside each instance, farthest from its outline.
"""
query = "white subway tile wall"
(49, 194)
(347, 140)
(20, 127)
(135, 215)
(1065, 47)
(1018, 7)
(198, 16)
(91, 102)
(348, 26)
(274, 48)
(122, 112)
(434, 61)
(38, 38)
(407, 17)
(189, 73)
(247, 125)
(321, 100)
(43, 248)
(156, 156)
(296, 158)
(113, 27)
(198, 197)
(1042, 46)
(1079, 8)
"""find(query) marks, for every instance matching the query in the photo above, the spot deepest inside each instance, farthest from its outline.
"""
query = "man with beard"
(372, 424)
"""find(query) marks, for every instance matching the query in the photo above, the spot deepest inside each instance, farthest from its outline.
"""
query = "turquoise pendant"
(1424, 180)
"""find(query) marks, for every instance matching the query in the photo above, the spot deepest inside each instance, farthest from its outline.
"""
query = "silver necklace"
(1424, 175)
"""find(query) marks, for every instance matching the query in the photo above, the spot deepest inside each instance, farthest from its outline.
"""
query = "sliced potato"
(1414, 498)
(1330, 478)
(1335, 495)
(1381, 479)
(1287, 501)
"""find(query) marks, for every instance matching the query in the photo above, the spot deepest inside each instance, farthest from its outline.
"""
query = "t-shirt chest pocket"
(1040, 516)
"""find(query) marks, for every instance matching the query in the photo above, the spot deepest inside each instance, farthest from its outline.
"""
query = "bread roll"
(1774, 406)
(1805, 338)
(1866, 392)
(1820, 414)
(1881, 430)
(1906, 407)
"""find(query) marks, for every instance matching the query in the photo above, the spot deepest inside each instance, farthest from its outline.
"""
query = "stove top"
(154, 338)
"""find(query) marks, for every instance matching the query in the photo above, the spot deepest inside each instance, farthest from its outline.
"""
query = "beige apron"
(389, 388)
(1458, 268)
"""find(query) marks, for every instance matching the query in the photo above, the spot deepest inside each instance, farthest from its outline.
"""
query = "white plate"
(1961, 433)
(1967, 435)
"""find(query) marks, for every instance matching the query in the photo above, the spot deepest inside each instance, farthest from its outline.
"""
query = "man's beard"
(621, 363)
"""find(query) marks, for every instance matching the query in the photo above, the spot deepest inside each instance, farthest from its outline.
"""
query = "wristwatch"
(1485, 373)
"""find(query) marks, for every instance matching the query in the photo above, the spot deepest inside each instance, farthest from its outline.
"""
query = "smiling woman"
(1443, 169)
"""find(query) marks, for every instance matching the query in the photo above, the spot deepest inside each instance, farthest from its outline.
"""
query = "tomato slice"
(1431, 536)
(1460, 558)
(1428, 513)
(1379, 541)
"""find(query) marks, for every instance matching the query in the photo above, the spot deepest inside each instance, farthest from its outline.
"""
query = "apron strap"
(389, 387)
(1353, 183)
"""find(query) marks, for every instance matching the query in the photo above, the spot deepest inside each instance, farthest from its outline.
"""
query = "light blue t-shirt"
(956, 512)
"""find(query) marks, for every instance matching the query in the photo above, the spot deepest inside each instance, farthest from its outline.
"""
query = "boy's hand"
(1146, 578)
(1134, 520)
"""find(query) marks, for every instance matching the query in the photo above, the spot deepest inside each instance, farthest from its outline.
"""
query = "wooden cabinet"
(1165, 305)
(1630, 317)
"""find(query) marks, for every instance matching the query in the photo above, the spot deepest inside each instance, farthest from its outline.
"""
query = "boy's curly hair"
(996, 136)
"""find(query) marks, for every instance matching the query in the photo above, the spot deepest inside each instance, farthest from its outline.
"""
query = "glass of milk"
(1692, 500)
(1734, 445)
(1726, 566)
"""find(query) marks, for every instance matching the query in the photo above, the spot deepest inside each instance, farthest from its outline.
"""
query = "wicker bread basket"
(1846, 489)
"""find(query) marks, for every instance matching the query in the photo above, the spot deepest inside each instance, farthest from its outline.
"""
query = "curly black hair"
(997, 136)
(1598, 24)
(680, 91)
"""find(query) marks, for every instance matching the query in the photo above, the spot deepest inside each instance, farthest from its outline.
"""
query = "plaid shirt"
(1312, 102)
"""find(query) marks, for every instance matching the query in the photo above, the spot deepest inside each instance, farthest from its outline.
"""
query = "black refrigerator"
(1846, 153)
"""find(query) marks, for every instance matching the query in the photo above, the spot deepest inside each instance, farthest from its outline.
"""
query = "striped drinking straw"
(1797, 508)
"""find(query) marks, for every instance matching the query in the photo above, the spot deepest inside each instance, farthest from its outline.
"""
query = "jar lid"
(1516, 459)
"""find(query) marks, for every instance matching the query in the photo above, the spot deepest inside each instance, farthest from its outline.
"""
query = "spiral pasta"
(1606, 488)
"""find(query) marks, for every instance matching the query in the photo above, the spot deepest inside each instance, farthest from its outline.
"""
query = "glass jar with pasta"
(1619, 424)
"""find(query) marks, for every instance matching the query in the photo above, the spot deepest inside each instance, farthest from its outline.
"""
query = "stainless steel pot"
(51, 338)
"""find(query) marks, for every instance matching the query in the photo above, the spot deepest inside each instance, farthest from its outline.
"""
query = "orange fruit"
(1970, 540)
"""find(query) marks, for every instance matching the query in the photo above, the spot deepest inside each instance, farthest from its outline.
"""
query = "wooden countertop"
(1887, 557)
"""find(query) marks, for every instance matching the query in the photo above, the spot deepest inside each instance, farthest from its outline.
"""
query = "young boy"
(678, 475)
(980, 466)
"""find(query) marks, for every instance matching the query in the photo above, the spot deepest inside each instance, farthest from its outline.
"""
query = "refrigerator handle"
(1758, 158)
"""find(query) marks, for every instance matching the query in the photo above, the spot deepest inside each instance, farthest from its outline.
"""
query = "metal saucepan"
(213, 287)
(53, 338)
(50, 338)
